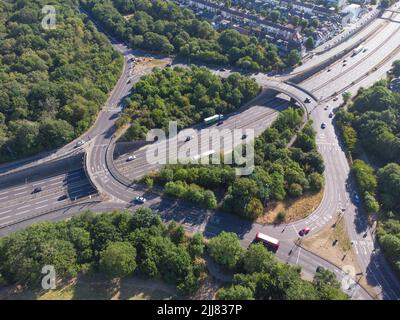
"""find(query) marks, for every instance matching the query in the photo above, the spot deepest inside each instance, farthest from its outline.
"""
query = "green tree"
(235, 292)
(226, 250)
(118, 259)
(258, 259)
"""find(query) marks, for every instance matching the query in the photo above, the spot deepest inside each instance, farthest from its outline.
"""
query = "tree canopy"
(52, 82)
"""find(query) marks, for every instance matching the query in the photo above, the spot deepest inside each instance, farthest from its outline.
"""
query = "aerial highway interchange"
(93, 177)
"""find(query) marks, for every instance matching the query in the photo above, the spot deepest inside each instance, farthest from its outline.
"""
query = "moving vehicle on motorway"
(307, 100)
(141, 200)
(358, 50)
(213, 119)
(323, 125)
(269, 242)
(130, 158)
(63, 197)
(304, 231)
(37, 190)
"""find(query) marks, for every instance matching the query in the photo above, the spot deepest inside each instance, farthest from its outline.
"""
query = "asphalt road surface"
(359, 70)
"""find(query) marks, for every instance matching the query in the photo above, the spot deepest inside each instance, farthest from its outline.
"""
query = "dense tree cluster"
(162, 26)
(259, 276)
(52, 82)
(183, 95)
(279, 171)
(372, 126)
(117, 244)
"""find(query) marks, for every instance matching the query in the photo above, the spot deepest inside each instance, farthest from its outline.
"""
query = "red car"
(304, 231)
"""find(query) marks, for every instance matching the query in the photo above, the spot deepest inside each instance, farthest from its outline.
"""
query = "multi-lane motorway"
(113, 179)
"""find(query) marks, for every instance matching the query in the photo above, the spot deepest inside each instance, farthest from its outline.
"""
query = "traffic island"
(333, 244)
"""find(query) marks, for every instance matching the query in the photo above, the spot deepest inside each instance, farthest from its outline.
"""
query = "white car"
(140, 199)
(80, 143)
(130, 158)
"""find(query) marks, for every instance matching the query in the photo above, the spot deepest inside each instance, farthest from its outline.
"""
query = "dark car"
(304, 231)
(219, 123)
(319, 269)
(307, 100)
(244, 136)
(63, 197)
(222, 69)
(37, 189)
(323, 125)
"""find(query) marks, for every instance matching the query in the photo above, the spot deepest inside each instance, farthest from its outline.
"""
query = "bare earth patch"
(339, 253)
(295, 209)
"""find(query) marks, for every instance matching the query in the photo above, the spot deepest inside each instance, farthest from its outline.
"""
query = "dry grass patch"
(97, 288)
(340, 252)
(294, 209)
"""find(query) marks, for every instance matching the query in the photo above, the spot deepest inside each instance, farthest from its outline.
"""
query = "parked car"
(222, 69)
(188, 138)
(323, 125)
(244, 136)
(307, 100)
(130, 158)
(331, 115)
(140, 199)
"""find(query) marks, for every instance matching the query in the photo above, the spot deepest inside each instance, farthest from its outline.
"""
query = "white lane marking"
(3, 198)
(298, 256)
(19, 193)
(26, 211)
(46, 205)
(23, 207)
(20, 188)
(295, 230)
(42, 201)
(5, 211)
(2, 218)
(3, 193)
